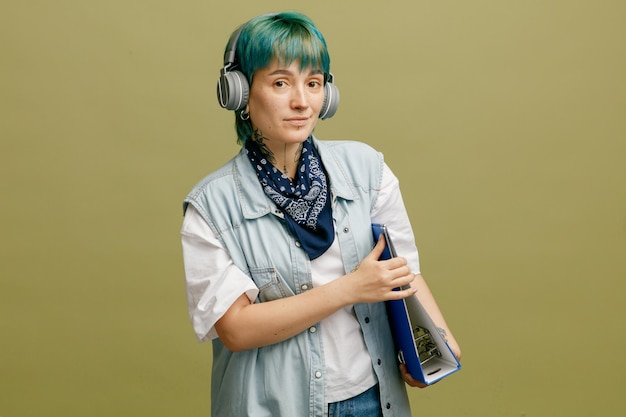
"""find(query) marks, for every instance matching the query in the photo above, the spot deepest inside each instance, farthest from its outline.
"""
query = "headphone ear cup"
(233, 90)
(331, 101)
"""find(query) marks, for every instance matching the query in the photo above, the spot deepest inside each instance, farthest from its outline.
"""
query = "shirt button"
(298, 244)
(304, 287)
(312, 329)
(367, 319)
(379, 361)
(388, 406)
(318, 374)
(346, 229)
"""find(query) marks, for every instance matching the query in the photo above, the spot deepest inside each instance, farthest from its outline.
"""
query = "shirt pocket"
(271, 285)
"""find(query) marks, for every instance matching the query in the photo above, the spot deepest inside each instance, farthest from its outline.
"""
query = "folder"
(418, 343)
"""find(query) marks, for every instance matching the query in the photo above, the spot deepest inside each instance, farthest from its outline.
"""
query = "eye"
(279, 83)
(316, 82)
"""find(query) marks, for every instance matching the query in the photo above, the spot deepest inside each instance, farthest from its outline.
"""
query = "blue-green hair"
(287, 37)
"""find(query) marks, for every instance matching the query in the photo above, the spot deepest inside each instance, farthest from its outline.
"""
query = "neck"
(284, 156)
(290, 158)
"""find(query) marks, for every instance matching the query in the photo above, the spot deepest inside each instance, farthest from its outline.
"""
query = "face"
(285, 102)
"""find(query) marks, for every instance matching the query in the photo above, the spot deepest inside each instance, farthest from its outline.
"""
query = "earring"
(244, 115)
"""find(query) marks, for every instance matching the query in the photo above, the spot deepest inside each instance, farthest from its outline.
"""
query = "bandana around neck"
(305, 201)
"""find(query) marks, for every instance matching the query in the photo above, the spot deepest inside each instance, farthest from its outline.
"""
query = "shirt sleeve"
(213, 281)
(389, 209)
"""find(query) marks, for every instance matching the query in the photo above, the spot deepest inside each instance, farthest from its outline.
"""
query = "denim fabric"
(366, 404)
(287, 379)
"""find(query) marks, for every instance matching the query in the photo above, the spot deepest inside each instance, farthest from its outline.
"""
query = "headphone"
(233, 90)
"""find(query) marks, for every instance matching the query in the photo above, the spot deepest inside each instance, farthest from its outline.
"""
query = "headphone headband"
(231, 48)
(229, 55)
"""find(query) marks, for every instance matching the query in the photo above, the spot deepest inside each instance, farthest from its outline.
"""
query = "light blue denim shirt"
(287, 379)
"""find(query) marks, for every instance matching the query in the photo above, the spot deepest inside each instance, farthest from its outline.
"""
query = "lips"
(298, 121)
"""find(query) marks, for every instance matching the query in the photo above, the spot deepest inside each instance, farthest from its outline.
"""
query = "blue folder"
(418, 343)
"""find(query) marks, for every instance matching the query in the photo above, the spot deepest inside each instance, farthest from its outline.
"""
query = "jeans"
(366, 404)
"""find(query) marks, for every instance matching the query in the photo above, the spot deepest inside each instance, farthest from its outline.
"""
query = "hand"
(374, 280)
(409, 379)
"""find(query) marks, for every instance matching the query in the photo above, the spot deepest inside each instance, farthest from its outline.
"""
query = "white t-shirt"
(212, 274)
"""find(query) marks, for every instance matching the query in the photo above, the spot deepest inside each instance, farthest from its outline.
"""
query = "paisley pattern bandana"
(305, 201)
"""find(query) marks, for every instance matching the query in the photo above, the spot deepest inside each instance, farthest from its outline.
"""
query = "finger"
(396, 264)
(403, 280)
(400, 294)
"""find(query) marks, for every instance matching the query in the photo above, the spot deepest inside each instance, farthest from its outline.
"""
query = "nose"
(299, 99)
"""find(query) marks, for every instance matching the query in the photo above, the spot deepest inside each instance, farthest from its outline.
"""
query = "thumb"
(378, 249)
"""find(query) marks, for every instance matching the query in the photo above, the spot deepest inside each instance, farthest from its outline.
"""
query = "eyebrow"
(282, 71)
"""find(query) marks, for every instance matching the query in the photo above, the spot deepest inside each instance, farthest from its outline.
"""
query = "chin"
(301, 136)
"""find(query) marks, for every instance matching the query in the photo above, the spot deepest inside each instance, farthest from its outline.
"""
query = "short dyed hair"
(286, 36)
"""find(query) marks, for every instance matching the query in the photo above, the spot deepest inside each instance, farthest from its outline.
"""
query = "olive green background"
(504, 120)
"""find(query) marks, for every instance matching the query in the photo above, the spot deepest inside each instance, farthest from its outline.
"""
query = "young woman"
(282, 271)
